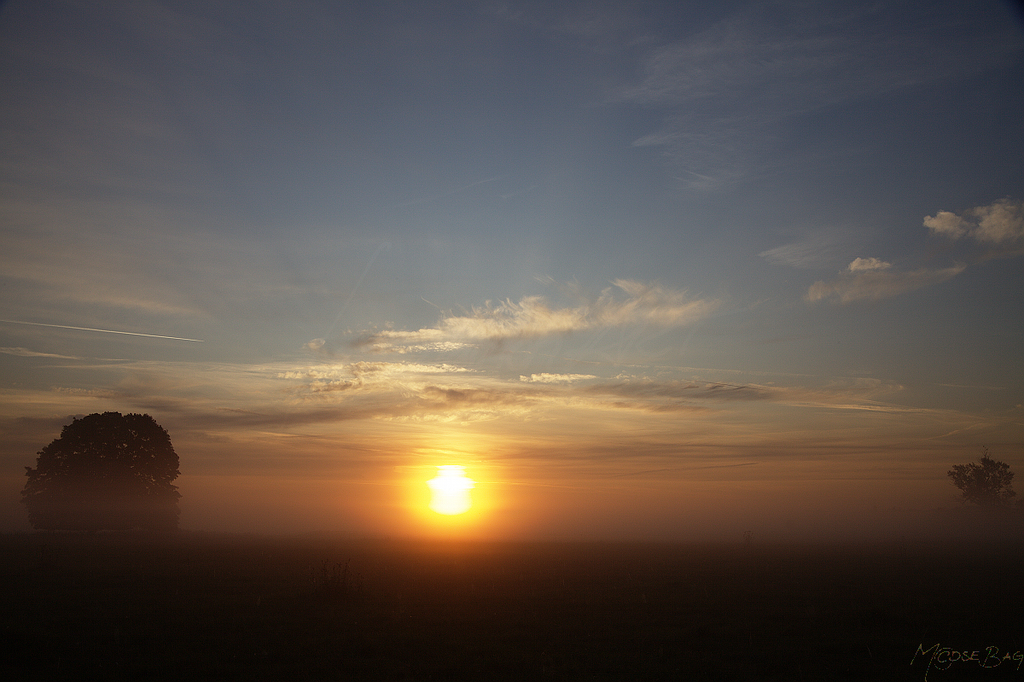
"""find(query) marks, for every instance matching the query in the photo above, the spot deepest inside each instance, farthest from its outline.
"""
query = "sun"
(450, 490)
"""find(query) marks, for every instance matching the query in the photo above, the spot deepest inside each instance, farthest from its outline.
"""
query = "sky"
(646, 270)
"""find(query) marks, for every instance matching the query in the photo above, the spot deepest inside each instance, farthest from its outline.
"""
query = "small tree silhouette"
(986, 483)
(105, 472)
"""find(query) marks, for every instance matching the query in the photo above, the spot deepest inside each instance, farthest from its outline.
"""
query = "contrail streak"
(103, 331)
(359, 281)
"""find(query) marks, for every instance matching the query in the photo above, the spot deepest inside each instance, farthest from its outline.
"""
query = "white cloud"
(374, 369)
(1000, 222)
(860, 264)
(392, 368)
(533, 317)
(546, 378)
(947, 224)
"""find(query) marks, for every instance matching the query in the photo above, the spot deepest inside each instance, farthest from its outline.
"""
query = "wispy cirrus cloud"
(822, 55)
(820, 249)
(626, 303)
(296, 416)
(446, 393)
(861, 283)
(661, 395)
(27, 353)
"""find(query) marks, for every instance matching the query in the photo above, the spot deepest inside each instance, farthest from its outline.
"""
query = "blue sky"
(644, 269)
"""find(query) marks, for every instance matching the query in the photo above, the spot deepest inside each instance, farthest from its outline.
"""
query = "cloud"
(403, 368)
(450, 397)
(411, 392)
(545, 378)
(860, 264)
(644, 387)
(999, 226)
(822, 56)
(819, 250)
(660, 395)
(877, 283)
(946, 224)
(26, 353)
(1001, 222)
(532, 317)
(438, 347)
(253, 417)
(365, 375)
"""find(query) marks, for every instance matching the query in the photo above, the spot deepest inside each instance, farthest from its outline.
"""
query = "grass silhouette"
(199, 606)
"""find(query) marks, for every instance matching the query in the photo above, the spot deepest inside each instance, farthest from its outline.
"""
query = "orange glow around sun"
(450, 490)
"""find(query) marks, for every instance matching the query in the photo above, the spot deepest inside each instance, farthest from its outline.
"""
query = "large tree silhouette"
(986, 483)
(105, 472)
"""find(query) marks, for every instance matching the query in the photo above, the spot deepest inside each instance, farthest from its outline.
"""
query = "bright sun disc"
(450, 490)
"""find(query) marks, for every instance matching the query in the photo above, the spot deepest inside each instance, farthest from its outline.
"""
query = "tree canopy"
(986, 483)
(106, 472)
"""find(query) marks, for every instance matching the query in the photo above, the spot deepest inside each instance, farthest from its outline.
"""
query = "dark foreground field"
(128, 607)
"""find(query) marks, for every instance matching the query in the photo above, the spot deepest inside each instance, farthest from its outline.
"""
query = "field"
(196, 606)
